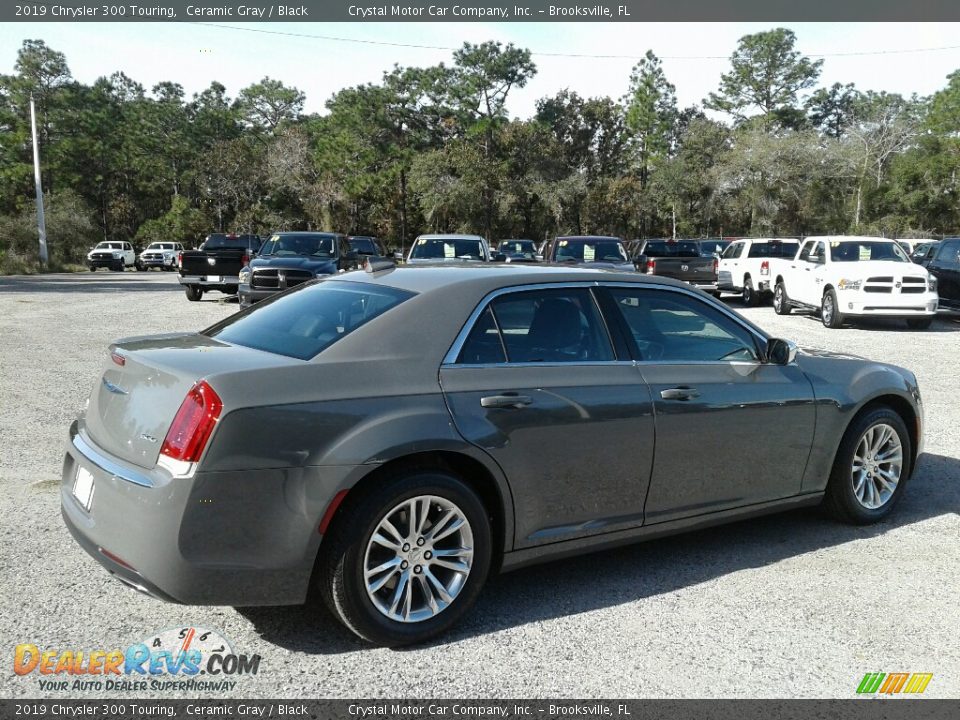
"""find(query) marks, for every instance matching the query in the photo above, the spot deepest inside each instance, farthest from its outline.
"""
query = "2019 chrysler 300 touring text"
(391, 437)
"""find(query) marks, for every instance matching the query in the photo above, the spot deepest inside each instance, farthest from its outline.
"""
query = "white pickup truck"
(844, 277)
(745, 266)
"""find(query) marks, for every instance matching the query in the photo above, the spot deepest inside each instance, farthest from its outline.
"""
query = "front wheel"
(750, 298)
(194, 292)
(781, 303)
(873, 463)
(830, 314)
(406, 561)
(93, 268)
(919, 323)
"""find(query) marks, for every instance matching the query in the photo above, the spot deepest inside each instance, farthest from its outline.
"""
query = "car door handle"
(510, 401)
(679, 393)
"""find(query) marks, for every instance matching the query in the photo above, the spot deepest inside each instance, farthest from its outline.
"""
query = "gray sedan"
(391, 437)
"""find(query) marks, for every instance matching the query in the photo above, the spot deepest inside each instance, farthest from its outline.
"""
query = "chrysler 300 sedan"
(389, 438)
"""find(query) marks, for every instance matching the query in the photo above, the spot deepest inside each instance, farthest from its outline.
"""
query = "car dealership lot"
(790, 605)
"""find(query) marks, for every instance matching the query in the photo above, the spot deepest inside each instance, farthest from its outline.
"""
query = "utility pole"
(41, 222)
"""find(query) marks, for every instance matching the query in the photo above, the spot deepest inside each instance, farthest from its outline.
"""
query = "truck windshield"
(590, 251)
(857, 250)
(307, 320)
(447, 249)
(305, 244)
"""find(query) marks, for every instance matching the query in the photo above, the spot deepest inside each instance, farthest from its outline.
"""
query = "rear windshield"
(447, 249)
(590, 251)
(307, 320)
(856, 250)
(774, 250)
(218, 242)
(672, 249)
(307, 245)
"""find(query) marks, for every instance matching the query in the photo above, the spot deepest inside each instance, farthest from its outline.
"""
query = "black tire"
(194, 292)
(117, 266)
(750, 296)
(781, 301)
(830, 314)
(139, 266)
(919, 323)
(717, 294)
(840, 500)
(340, 569)
(93, 268)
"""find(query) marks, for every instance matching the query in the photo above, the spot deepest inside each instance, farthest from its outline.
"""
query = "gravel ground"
(787, 606)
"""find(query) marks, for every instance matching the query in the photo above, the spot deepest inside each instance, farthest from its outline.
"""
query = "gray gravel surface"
(792, 605)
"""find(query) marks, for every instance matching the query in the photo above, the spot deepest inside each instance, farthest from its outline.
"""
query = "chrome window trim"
(450, 359)
(108, 465)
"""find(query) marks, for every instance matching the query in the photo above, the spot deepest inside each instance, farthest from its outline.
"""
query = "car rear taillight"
(651, 266)
(716, 266)
(765, 267)
(180, 259)
(245, 259)
(118, 359)
(193, 424)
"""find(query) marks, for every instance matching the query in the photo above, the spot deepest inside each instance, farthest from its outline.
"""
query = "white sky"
(195, 54)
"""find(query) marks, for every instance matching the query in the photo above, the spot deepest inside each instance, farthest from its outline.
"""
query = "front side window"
(673, 327)
(309, 319)
(548, 326)
(733, 251)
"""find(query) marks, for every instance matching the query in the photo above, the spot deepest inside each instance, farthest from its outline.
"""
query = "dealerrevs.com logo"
(188, 658)
(894, 683)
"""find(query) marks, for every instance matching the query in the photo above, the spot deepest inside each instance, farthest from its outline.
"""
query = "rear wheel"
(139, 266)
(93, 268)
(408, 560)
(919, 323)
(830, 314)
(750, 297)
(872, 465)
(781, 303)
(194, 292)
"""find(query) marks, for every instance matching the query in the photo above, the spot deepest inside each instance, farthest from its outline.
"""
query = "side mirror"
(398, 256)
(499, 257)
(640, 263)
(781, 352)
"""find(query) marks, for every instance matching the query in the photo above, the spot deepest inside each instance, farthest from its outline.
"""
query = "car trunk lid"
(144, 382)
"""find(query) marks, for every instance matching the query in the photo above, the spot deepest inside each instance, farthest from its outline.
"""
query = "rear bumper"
(706, 287)
(217, 538)
(226, 284)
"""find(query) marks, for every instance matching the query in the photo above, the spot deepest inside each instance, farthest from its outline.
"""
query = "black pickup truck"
(678, 259)
(288, 259)
(216, 264)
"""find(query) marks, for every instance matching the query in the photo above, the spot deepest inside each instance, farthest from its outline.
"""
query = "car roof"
(770, 240)
(845, 238)
(486, 278)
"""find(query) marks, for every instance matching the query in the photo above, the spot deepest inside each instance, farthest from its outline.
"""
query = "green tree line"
(433, 149)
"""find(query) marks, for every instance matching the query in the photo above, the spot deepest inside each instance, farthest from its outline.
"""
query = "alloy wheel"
(418, 559)
(877, 466)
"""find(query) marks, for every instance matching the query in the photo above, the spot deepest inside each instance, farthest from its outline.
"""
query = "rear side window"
(733, 251)
(548, 326)
(309, 319)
